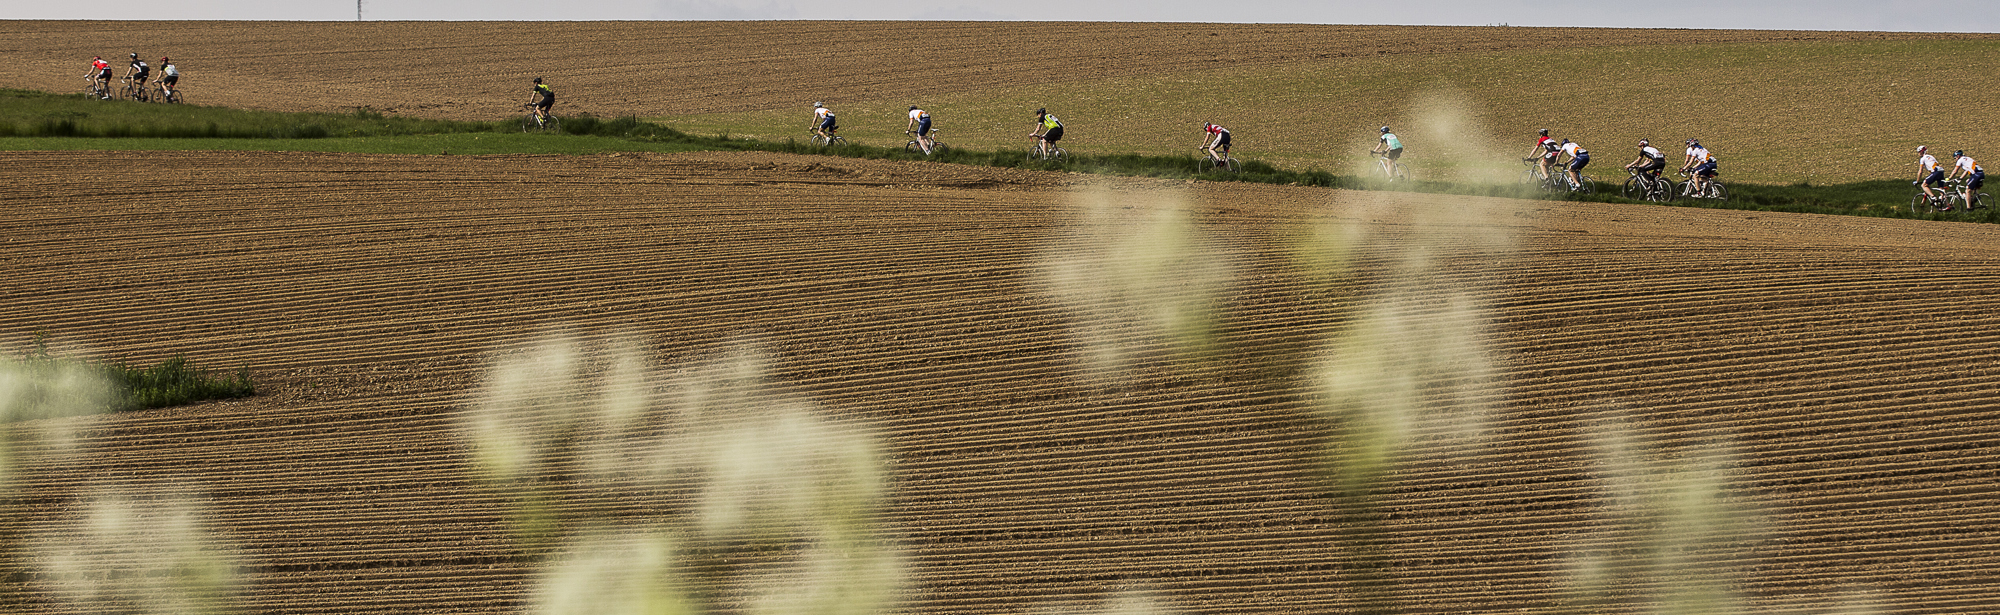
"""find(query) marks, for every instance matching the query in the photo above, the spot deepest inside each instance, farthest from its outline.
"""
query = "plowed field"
(478, 71)
(1849, 360)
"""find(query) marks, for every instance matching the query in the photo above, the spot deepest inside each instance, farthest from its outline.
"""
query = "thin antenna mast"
(357, 10)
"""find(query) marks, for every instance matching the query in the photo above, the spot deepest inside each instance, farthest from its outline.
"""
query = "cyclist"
(138, 72)
(1975, 176)
(1699, 165)
(823, 122)
(920, 120)
(1391, 148)
(170, 76)
(101, 72)
(1545, 153)
(1928, 173)
(1650, 160)
(547, 100)
(1213, 138)
(1048, 129)
(1578, 159)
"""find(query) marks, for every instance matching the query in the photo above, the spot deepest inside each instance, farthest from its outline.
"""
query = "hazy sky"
(1919, 15)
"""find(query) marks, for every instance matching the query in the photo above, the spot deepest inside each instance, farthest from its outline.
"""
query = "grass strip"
(173, 382)
(32, 120)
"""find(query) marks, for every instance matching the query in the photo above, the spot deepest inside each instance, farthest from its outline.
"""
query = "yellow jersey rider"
(547, 97)
(1047, 128)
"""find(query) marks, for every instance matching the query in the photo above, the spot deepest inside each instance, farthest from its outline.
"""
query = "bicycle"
(162, 94)
(131, 90)
(97, 89)
(534, 122)
(916, 147)
(1714, 189)
(1552, 182)
(1054, 153)
(1225, 163)
(1382, 172)
(1562, 183)
(1952, 199)
(1648, 187)
(828, 141)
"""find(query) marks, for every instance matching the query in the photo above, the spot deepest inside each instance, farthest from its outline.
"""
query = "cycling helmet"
(913, 107)
(538, 80)
(817, 105)
(1385, 130)
(1643, 143)
(135, 55)
(1545, 132)
(1958, 153)
(1042, 111)
(1923, 148)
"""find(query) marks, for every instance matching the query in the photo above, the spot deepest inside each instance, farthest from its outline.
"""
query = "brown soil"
(1848, 359)
(480, 71)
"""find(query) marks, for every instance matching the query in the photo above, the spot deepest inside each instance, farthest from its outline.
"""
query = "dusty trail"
(1848, 359)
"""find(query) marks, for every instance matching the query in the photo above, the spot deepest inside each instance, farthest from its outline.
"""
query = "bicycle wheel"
(1718, 191)
(1635, 188)
(534, 124)
(1665, 190)
(938, 148)
(1920, 204)
(1058, 154)
(1230, 164)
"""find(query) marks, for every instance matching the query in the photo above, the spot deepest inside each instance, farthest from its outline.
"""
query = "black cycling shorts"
(1053, 135)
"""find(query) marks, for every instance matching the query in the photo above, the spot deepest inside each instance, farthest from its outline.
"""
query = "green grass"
(454, 144)
(38, 114)
(140, 126)
(174, 382)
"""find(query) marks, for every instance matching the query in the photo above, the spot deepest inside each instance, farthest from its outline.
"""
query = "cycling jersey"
(1700, 154)
(1390, 138)
(1652, 154)
(822, 113)
(920, 115)
(100, 65)
(1927, 164)
(1965, 163)
(1050, 122)
(1215, 130)
(1549, 147)
(1574, 150)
